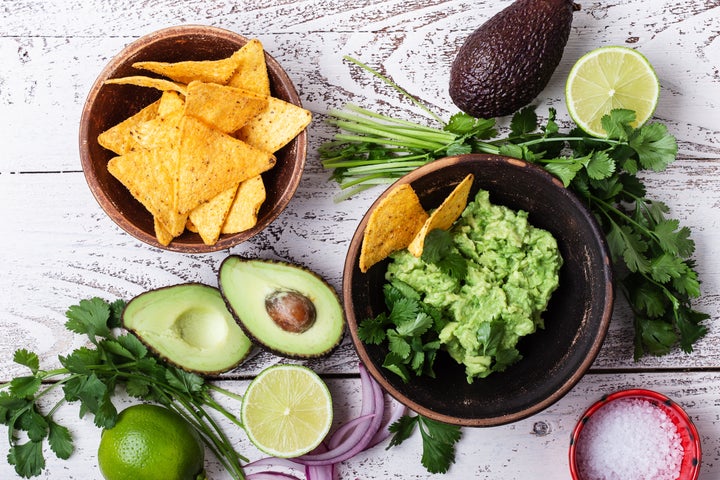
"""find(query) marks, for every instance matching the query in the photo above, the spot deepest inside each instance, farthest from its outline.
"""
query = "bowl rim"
(348, 302)
(637, 393)
(299, 143)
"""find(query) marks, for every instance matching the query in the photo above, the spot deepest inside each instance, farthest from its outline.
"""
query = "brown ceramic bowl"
(108, 105)
(576, 320)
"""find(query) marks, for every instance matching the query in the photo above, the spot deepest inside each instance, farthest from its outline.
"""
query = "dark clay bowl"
(576, 321)
(107, 105)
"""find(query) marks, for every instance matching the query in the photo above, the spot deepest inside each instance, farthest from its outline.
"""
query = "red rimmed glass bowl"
(689, 438)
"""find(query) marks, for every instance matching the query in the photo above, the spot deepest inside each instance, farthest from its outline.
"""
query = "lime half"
(608, 78)
(287, 411)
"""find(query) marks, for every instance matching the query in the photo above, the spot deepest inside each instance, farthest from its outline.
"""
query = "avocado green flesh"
(246, 284)
(512, 270)
(190, 326)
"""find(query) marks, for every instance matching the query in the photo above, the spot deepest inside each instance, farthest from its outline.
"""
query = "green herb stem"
(393, 85)
(398, 141)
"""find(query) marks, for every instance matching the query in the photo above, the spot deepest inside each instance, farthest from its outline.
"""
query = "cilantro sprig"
(438, 440)
(652, 253)
(410, 329)
(91, 375)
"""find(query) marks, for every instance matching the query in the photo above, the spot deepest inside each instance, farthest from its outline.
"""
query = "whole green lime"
(150, 442)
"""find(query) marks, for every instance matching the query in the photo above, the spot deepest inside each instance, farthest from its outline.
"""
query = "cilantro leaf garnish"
(438, 249)
(438, 439)
(410, 330)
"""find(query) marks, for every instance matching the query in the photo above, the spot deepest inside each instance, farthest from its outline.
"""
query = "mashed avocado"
(512, 270)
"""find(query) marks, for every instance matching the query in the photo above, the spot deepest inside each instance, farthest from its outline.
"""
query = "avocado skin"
(504, 64)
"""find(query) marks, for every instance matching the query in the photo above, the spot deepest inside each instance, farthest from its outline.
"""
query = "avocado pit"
(282, 307)
(292, 311)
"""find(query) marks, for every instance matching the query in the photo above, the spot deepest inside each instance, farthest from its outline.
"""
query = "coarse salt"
(629, 439)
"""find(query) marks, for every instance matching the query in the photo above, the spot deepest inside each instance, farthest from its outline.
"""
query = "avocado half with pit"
(189, 326)
(284, 308)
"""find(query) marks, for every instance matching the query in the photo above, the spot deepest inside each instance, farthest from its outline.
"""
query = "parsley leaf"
(24, 387)
(60, 440)
(523, 122)
(372, 330)
(438, 439)
(28, 359)
(438, 249)
(617, 123)
(656, 149)
(89, 317)
(27, 458)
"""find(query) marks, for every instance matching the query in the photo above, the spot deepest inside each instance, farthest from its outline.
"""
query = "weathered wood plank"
(53, 69)
(532, 448)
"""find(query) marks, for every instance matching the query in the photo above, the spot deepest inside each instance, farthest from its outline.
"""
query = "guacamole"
(512, 270)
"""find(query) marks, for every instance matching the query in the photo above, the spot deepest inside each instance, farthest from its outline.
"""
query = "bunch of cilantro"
(652, 253)
(91, 375)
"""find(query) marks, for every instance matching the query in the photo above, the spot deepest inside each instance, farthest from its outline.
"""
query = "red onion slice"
(358, 439)
(271, 476)
(397, 410)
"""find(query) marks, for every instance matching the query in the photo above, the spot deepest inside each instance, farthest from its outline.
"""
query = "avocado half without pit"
(284, 308)
(189, 326)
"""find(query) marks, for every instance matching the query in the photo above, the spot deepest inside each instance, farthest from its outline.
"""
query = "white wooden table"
(59, 247)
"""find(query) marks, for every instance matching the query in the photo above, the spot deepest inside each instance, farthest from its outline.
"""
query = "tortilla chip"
(392, 225)
(171, 103)
(118, 138)
(150, 172)
(211, 162)
(161, 234)
(225, 108)
(140, 81)
(245, 207)
(274, 127)
(161, 131)
(191, 226)
(146, 176)
(209, 217)
(214, 71)
(445, 215)
(251, 73)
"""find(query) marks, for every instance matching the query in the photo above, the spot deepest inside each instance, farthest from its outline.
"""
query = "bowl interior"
(690, 467)
(108, 105)
(576, 321)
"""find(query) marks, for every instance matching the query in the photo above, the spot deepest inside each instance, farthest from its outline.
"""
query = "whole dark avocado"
(507, 61)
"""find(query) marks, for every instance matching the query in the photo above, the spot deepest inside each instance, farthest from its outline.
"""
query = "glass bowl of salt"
(635, 434)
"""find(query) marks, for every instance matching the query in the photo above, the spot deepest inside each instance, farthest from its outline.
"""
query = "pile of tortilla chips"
(194, 158)
(399, 221)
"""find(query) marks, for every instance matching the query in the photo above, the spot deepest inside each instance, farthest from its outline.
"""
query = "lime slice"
(608, 78)
(287, 410)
